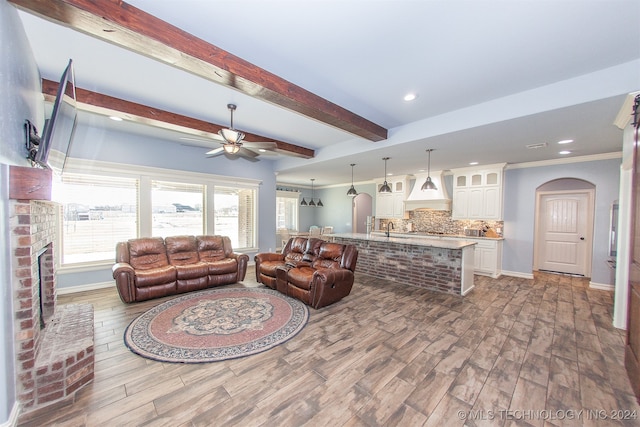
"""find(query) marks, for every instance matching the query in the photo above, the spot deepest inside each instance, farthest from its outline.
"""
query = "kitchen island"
(444, 265)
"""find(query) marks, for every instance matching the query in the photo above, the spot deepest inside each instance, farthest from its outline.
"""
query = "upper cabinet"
(391, 205)
(477, 193)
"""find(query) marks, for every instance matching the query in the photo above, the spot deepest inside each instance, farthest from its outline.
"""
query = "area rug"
(215, 325)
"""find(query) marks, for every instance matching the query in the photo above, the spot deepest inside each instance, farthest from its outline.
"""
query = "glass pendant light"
(428, 184)
(352, 191)
(385, 186)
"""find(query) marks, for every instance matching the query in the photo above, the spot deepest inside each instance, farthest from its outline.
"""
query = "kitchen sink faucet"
(389, 224)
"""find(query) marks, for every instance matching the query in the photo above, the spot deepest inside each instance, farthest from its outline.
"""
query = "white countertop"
(410, 239)
(436, 236)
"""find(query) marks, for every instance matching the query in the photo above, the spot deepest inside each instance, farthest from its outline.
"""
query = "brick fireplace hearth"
(54, 355)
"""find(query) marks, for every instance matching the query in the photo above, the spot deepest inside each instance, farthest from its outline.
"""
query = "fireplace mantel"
(29, 183)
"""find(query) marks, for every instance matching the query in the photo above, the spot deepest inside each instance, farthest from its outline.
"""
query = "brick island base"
(416, 262)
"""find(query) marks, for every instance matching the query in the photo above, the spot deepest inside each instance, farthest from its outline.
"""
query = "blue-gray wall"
(337, 207)
(21, 99)
(519, 211)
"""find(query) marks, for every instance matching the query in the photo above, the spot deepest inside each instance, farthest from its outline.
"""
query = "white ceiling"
(491, 76)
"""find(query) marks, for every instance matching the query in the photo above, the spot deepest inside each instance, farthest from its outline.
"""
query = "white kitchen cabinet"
(488, 258)
(391, 205)
(477, 193)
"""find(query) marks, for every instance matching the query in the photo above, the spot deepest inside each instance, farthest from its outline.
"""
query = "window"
(287, 210)
(97, 212)
(176, 209)
(234, 215)
(100, 211)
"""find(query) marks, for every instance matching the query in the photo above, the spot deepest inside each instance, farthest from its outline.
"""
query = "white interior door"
(564, 236)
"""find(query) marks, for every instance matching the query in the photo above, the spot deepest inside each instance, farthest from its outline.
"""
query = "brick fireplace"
(53, 344)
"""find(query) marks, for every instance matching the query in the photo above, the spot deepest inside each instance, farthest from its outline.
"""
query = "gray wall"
(20, 100)
(519, 218)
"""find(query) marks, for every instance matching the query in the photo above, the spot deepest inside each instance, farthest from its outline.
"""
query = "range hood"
(430, 199)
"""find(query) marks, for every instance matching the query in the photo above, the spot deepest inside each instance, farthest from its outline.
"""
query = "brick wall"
(426, 267)
(51, 363)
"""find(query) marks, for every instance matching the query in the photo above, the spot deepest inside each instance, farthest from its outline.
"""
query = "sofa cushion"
(181, 250)
(301, 277)
(329, 256)
(156, 276)
(147, 253)
(296, 252)
(223, 266)
(213, 248)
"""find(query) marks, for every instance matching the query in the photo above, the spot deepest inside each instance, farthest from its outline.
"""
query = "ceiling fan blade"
(245, 152)
(238, 155)
(215, 152)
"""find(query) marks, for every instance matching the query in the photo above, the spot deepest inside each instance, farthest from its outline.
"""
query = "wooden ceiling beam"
(124, 25)
(109, 106)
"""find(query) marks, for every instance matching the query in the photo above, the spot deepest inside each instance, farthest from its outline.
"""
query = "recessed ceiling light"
(116, 118)
(262, 150)
(563, 152)
(410, 97)
(473, 163)
(565, 141)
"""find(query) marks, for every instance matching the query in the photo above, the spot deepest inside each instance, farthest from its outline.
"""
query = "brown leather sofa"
(316, 273)
(296, 250)
(153, 267)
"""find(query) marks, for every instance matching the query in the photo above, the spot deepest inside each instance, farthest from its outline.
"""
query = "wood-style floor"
(512, 352)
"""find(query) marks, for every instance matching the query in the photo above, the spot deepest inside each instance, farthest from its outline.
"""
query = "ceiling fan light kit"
(385, 186)
(428, 184)
(232, 145)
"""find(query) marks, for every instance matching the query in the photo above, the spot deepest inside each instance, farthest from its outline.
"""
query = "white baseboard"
(13, 416)
(82, 288)
(517, 274)
(601, 286)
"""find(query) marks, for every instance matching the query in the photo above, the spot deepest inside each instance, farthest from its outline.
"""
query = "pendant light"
(428, 184)
(385, 187)
(352, 191)
(312, 203)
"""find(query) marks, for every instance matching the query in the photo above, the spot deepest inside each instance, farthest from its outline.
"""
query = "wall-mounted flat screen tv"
(59, 129)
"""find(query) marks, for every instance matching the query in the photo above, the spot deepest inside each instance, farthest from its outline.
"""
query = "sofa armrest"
(268, 256)
(329, 285)
(124, 275)
(243, 261)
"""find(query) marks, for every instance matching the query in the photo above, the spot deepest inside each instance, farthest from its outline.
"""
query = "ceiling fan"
(233, 146)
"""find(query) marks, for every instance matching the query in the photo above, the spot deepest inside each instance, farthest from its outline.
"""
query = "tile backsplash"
(435, 221)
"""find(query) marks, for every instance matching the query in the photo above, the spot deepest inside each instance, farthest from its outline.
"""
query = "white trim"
(85, 267)
(601, 286)
(566, 160)
(82, 288)
(517, 274)
(12, 421)
(538, 240)
(624, 115)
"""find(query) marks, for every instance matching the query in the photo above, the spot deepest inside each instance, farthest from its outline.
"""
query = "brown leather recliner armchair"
(297, 249)
(325, 280)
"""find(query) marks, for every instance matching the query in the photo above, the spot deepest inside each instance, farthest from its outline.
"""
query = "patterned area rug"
(216, 324)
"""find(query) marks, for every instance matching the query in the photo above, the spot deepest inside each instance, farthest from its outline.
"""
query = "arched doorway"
(362, 208)
(563, 239)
